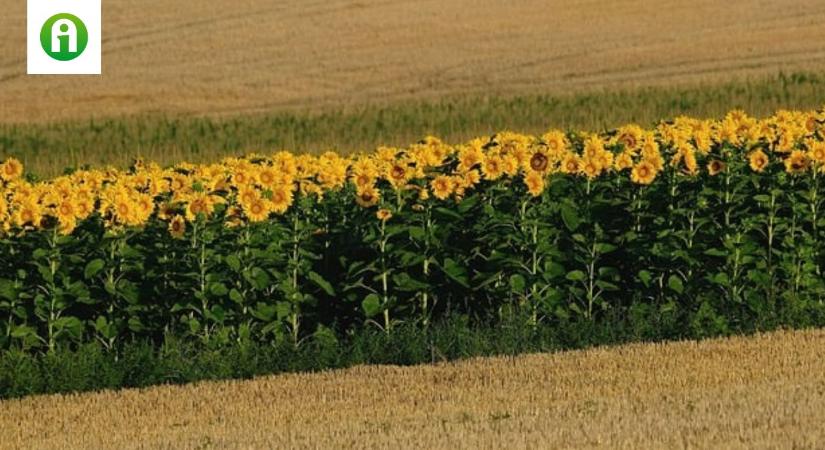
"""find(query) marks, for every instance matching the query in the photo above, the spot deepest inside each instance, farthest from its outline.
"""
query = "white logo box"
(40, 63)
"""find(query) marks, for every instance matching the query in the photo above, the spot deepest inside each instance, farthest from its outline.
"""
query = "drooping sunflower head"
(383, 215)
(367, 196)
(715, 167)
(796, 162)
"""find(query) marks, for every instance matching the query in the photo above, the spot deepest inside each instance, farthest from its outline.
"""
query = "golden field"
(252, 55)
(763, 391)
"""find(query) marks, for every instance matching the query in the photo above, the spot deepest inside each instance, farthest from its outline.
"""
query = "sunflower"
(715, 167)
(570, 164)
(590, 168)
(398, 173)
(65, 211)
(492, 167)
(539, 161)
(124, 209)
(509, 164)
(797, 162)
(247, 195)
(643, 173)
(11, 170)
(469, 157)
(471, 178)
(556, 143)
(367, 196)
(535, 183)
(281, 199)
(383, 215)
(758, 160)
(65, 228)
(28, 212)
(257, 210)
(199, 204)
(630, 136)
(177, 227)
(623, 161)
(442, 187)
(267, 176)
(816, 152)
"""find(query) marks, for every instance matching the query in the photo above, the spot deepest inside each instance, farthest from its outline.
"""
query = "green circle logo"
(64, 37)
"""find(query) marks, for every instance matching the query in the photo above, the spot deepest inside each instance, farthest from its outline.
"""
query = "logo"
(64, 37)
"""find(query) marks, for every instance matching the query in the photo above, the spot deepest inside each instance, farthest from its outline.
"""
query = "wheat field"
(764, 391)
(244, 56)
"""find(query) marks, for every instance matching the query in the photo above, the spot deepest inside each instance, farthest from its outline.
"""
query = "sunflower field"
(713, 218)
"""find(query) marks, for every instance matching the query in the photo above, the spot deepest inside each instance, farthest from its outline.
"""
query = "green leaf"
(675, 283)
(456, 272)
(218, 289)
(576, 275)
(605, 248)
(258, 278)
(321, 282)
(517, 283)
(7, 289)
(22, 331)
(721, 279)
(371, 305)
(645, 277)
(93, 268)
(570, 217)
(234, 263)
(235, 296)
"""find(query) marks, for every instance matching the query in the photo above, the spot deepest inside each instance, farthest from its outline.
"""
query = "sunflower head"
(535, 183)
(643, 173)
(177, 227)
(367, 197)
(442, 187)
(715, 167)
(758, 160)
(796, 162)
(383, 215)
(11, 170)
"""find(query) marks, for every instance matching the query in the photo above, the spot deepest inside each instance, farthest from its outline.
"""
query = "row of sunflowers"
(694, 215)
(258, 186)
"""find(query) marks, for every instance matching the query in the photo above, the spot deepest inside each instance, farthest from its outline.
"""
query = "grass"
(763, 390)
(47, 149)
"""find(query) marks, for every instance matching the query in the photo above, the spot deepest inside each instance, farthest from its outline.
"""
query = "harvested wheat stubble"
(258, 55)
(746, 392)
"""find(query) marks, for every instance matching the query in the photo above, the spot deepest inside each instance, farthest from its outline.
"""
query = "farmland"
(265, 216)
(395, 72)
(765, 391)
(190, 59)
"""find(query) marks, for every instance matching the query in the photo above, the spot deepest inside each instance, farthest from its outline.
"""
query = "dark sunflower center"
(538, 162)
